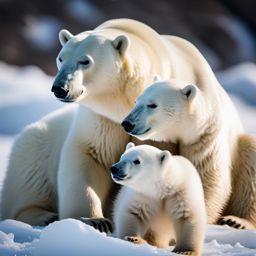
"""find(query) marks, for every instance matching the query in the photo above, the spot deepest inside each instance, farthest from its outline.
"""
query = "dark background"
(223, 30)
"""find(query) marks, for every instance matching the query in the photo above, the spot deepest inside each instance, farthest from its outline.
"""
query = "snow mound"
(9, 248)
(240, 80)
(25, 97)
(23, 232)
(73, 237)
(81, 239)
(234, 237)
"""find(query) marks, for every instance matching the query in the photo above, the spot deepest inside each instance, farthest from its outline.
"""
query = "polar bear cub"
(159, 184)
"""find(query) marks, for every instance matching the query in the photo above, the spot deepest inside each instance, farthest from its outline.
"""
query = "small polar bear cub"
(158, 183)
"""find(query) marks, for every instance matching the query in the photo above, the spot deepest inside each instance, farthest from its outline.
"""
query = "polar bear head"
(167, 111)
(139, 166)
(86, 63)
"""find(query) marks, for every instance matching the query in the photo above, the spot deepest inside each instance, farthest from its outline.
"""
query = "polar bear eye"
(136, 161)
(85, 62)
(153, 105)
(60, 59)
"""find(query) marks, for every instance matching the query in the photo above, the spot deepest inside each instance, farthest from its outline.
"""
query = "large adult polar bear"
(210, 136)
(59, 166)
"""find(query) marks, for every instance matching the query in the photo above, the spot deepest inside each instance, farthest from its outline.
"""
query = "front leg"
(128, 227)
(241, 211)
(132, 215)
(188, 237)
(83, 186)
(189, 221)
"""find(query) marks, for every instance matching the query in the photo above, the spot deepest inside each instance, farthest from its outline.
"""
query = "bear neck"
(114, 110)
(197, 120)
(204, 141)
(117, 104)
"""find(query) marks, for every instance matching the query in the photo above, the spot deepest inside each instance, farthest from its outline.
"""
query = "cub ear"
(129, 145)
(64, 36)
(189, 92)
(121, 44)
(164, 156)
(157, 78)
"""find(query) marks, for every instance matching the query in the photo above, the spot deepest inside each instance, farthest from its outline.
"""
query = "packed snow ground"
(25, 97)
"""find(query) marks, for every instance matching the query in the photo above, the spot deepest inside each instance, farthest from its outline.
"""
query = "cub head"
(165, 111)
(89, 65)
(139, 166)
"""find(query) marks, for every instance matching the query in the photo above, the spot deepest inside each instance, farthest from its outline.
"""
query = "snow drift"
(25, 97)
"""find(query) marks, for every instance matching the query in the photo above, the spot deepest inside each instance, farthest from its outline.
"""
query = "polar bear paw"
(135, 239)
(185, 252)
(101, 224)
(235, 222)
(51, 218)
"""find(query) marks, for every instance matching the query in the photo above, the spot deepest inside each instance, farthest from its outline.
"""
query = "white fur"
(66, 155)
(160, 183)
(205, 125)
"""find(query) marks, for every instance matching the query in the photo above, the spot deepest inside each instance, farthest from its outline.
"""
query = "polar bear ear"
(64, 36)
(121, 44)
(164, 156)
(189, 92)
(129, 145)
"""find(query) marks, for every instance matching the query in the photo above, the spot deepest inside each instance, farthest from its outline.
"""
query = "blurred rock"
(223, 30)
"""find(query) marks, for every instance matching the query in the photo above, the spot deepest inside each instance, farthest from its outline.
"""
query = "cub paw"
(101, 224)
(135, 240)
(185, 253)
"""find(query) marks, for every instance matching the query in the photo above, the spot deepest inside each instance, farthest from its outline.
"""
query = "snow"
(72, 237)
(243, 37)
(25, 97)
(84, 11)
(80, 239)
(241, 81)
(41, 31)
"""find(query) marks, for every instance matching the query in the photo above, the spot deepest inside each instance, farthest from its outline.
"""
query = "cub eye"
(60, 59)
(136, 161)
(85, 62)
(153, 105)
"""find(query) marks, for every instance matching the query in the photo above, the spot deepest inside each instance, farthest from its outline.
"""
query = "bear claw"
(135, 240)
(230, 222)
(184, 253)
(53, 218)
(101, 224)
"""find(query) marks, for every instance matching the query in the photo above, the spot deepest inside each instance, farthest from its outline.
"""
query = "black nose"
(128, 126)
(59, 91)
(114, 169)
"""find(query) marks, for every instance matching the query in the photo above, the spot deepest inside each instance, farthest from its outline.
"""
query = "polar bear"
(204, 125)
(157, 183)
(59, 165)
